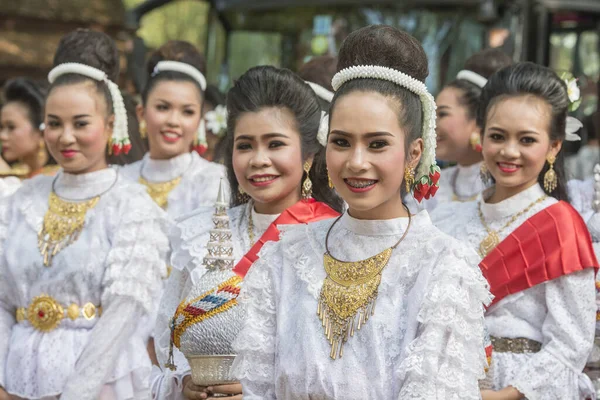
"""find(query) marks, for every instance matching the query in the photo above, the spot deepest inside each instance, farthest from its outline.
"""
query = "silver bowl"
(211, 370)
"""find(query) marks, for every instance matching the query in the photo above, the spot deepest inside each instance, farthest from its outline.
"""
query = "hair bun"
(177, 50)
(92, 48)
(384, 46)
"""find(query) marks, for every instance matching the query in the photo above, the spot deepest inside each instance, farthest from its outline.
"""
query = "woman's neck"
(471, 157)
(393, 208)
(276, 206)
(35, 161)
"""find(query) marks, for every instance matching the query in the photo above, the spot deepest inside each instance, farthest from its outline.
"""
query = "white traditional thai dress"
(117, 263)
(559, 314)
(424, 341)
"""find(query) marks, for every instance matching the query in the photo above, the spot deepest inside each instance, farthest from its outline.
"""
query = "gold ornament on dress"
(45, 313)
(307, 184)
(159, 191)
(492, 239)
(349, 293)
(550, 177)
(63, 222)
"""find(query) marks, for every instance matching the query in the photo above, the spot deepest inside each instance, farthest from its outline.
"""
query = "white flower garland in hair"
(574, 96)
(428, 173)
(216, 120)
(119, 141)
(321, 92)
(184, 68)
(473, 77)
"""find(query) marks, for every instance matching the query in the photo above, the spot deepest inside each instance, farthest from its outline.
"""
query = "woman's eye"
(189, 112)
(442, 114)
(528, 140)
(378, 144)
(81, 124)
(243, 146)
(53, 124)
(276, 144)
(496, 136)
(340, 142)
(161, 107)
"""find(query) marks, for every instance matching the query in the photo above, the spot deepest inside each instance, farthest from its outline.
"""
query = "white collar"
(83, 186)
(165, 170)
(387, 227)
(512, 205)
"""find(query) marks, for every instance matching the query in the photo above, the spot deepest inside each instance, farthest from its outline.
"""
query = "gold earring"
(307, 184)
(484, 174)
(409, 178)
(143, 129)
(475, 141)
(42, 155)
(329, 181)
(242, 196)
(550, 177)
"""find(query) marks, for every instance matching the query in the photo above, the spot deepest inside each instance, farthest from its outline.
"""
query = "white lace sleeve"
(107, 340)
(568, 334)
(447, 358)
(581, 196)
(254, 365)
(7, 309)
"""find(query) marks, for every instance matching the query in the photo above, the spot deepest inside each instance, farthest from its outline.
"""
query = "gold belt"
(517, 345)
(45, 313)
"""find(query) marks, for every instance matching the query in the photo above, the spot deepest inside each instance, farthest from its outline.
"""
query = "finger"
(236, 397)
(235, 388)
(194, 392)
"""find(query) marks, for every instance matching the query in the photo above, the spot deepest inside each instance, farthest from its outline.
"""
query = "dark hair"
(29, 93)
(174, 50)
(92, 48)
(263, 87)
(320, 70)
(484, 63)
(386, 46)
(214, 96)
(524, 79)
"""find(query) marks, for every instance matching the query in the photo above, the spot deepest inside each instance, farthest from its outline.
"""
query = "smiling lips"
(508, 168)
(262, 180)
(360, 185)
(171, 137)
(68, 153)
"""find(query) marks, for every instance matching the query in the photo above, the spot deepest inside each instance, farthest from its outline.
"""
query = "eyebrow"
(367, 135)
(442, 106)
(185, 105)
(525, 132)
(266, 136)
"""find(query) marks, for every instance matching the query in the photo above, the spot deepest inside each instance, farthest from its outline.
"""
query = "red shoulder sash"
(552, 243)
(302, 212)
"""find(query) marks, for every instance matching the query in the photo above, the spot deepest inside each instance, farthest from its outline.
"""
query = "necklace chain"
(251, 227)
(492, 239)
(455, 195)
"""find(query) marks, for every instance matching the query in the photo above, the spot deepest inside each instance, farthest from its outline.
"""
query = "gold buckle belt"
(517, 345)
(45, 313)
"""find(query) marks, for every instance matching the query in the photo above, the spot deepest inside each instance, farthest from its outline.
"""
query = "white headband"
(184, 68)
(119, 142)
(474, 78)
(321, 92)
(428, 166)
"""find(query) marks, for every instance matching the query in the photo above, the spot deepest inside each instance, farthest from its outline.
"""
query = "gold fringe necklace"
(349, 292)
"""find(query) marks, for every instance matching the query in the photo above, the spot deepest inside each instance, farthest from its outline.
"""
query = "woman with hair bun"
(312, 329)
(176, 177)
(277, 176)
(535, 249)
(82, 254)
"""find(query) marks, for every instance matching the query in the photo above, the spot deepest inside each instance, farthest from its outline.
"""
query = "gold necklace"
(251, 227)
(349, 291)
(63, 222)
(492, 239)
(159, 191)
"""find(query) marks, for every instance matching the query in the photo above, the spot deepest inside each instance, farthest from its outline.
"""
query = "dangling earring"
(307, 184)
(42, 155)
(409, 178)
(475, 141)
(550, 178)
(484, 174)
(143, 129)
(200, 145)
(242, 196)
(329, 181)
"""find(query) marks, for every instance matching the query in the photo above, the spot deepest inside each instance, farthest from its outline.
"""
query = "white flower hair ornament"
(428, 173)
(119, 141)
(216, 120)
(574, 94)
(200, 144)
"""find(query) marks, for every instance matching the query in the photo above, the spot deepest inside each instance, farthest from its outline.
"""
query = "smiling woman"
(177, 178)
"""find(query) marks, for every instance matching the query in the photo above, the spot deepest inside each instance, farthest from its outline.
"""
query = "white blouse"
(560, 314)
(458, 183)
(189, 240)
(425, 339)
(117, 262)
(199, 180)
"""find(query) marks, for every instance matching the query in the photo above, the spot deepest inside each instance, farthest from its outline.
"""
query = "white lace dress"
(189, 240)
(199, 180)
(559, 314)
(117, 262)
(425, 340)
(457, 183)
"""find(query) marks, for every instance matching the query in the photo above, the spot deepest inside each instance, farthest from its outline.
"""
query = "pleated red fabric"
(552, 243)
(302, 212)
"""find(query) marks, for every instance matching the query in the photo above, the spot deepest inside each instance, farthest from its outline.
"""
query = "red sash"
(552, 243)
(302, 212)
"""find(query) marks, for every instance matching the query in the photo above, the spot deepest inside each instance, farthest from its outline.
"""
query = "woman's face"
(172, 112)
(77, 127)
(366, 155)
(267, 158)
(516, 142)
(20, 139)
(453, 126)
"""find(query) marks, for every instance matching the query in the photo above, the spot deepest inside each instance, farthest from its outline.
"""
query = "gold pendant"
(489, 243)
(348, 295)
(62, 225)
(160, 191)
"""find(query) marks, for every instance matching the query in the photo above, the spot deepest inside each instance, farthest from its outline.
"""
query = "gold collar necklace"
(64, 221)
(349, 291)
(159, 191)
